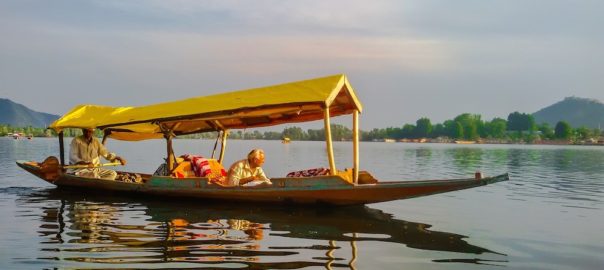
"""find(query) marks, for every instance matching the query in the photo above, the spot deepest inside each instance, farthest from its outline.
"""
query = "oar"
(83, 166)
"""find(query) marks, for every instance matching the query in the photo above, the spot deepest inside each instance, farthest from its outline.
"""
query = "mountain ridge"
(18, 115)
(577, 111)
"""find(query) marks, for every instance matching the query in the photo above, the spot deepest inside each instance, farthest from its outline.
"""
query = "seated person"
(87, 150)
(248, 172)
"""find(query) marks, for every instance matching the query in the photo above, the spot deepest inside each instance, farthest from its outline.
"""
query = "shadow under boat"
(184, 231)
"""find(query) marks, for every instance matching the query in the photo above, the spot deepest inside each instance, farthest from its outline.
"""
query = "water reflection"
(466, 158)
(94, 229)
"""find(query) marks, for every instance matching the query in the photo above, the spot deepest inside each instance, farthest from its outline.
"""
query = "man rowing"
(86, 150)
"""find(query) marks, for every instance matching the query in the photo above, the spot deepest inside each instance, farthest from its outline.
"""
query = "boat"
(464, 142)
(285, 140)
(317, 99)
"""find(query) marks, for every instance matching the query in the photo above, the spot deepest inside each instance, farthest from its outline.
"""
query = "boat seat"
(346, 174)
(364, 177)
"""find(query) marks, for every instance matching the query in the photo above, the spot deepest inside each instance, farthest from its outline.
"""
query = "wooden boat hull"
(305, 190)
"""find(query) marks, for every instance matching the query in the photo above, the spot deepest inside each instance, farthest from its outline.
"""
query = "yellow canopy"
(266, 106)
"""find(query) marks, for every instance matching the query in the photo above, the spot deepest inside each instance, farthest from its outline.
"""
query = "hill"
(17, 115)
(576, 111)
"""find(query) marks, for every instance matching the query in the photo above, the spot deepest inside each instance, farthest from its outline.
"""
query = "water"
(548, 216)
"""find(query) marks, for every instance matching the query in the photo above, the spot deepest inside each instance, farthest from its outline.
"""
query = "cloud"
(293, 15)
(432, 58)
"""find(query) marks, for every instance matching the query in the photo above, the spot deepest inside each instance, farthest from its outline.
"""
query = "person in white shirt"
(86, 150)
(248, 172)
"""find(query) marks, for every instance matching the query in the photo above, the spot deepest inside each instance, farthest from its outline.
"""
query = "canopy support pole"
(168, 135)
(61, 148)
(105, 136)
(332, 163)
(216, 144)
(355, 146)
(225, 134)
(170, 161)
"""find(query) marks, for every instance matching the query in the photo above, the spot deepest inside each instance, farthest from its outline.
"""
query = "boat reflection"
(95, 229)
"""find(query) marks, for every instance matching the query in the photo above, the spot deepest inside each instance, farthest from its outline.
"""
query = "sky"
(405, 59)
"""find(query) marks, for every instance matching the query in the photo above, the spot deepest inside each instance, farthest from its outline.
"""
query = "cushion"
(183, 170)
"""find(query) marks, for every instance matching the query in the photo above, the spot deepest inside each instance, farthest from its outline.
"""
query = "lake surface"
(550, 215)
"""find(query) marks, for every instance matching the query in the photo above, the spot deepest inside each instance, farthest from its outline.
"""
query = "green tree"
(496, 128)
(450, 128)
(394, 133)
(438, 130)
(563, 130)
(340, 133)
(408, 131)
(423, 128)
(256, 135)
(546, 131)
(272, 135)
(294, 133)
(584, 133)
(316, 134)
(237, 135)
(521, 122)
(470, 124)
(458, 130)
(374, 134)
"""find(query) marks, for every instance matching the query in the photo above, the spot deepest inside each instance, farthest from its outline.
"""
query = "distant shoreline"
(464, 142)
(426, 141)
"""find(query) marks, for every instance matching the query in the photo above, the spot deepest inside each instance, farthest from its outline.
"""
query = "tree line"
(42, 132)
(517, 127)
(26, 131)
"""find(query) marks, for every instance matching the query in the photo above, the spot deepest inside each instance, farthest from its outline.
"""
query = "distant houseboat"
(465, 142)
